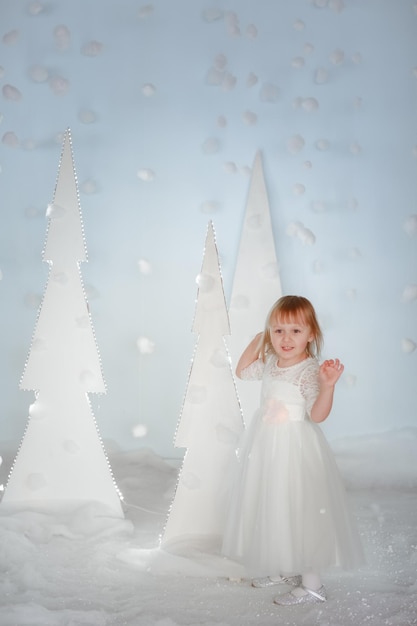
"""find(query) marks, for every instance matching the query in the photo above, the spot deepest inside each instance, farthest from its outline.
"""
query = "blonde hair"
(292, 309)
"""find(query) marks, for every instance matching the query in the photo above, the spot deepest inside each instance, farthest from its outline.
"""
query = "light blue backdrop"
(168, 103)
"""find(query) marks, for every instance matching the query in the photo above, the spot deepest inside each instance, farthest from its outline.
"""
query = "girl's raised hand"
(330, 371)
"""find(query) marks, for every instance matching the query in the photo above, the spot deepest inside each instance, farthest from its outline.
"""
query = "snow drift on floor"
(81, 567)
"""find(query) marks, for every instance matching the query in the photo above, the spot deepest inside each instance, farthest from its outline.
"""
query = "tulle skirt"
(288, 511)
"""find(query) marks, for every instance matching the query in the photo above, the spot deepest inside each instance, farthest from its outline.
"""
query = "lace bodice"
(303, 376)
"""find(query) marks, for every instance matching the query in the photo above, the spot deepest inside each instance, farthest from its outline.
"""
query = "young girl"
(288, 516)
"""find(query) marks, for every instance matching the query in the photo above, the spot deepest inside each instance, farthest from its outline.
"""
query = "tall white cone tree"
(211, 420)
(256, 281)
(61, 457)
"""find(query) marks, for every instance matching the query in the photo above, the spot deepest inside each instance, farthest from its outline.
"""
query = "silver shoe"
(311, 597)
(269, 581)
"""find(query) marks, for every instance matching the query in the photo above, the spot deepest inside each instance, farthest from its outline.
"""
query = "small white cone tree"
(61, 458)
(256, 282)
(211, 421)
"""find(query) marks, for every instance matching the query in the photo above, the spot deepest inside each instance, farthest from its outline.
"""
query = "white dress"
(288, 512)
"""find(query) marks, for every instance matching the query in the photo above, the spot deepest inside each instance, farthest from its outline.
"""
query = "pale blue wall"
(355, 204)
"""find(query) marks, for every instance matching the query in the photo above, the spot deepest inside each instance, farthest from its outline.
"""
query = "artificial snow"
(81, 566)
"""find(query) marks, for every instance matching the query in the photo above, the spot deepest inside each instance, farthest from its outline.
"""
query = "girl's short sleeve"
(309, 384)
(254, 371)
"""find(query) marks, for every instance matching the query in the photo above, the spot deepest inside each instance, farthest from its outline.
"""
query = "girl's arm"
(329, 373)
(250, 354)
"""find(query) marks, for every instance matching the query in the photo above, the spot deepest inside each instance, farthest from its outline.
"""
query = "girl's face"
(289, 340)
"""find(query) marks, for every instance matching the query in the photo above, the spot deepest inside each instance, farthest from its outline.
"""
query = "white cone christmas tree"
(62, 458)
(211, 420)
(256, 281)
